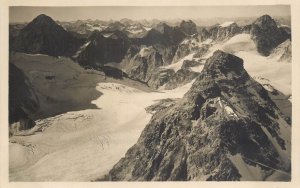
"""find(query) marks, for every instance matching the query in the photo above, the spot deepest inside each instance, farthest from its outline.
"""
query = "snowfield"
(84, 145)
(277, 73)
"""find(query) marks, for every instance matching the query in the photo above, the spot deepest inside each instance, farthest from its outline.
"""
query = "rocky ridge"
(201, 136)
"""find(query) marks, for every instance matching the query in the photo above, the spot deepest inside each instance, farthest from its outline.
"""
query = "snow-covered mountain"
(210, 97)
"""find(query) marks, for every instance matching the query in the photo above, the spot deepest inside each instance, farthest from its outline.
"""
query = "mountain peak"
(41, 16)
(43, 35)
(265, 17)
(225, 62)
(266, 34)
(188, 27)
(265, 20)
(43, 19)
(162, 27)
(95, 35)
(188, 21)
(200, 136)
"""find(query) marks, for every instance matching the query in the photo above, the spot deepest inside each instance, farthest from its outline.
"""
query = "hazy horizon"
(26, 14)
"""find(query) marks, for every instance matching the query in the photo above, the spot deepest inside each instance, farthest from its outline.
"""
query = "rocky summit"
(225, 122)
(44, 36)
(189, 27)
(103, 47)
(267, 35)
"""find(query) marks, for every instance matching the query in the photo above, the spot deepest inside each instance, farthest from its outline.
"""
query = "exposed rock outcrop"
(22, 100)
(224, 121)
(189, 27)
(141, 63)
(267, 35)
(180, 78)
(102, 48)
(220, 33)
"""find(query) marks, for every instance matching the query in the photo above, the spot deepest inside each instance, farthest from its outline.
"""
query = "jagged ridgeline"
(224, 124)
(141, 54)
(217, 123)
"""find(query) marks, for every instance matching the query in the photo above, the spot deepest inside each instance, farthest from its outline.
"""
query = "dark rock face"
(203, 33)
(180, 78)
(165, 39)
(189, 27)
(163, 45)
(174, 35)
(102, 49)
(141, 62)
(188, 46)
(22, 99)
(225, 114)
(220, 33)
(42, 35)
(190, 63)
(267, 35)
(115, 26)
(247, 29)
(202, 51)
(160, 77)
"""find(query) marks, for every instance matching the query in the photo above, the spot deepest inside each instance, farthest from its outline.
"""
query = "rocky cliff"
(225, 123)
(267, 35)
(22, 100)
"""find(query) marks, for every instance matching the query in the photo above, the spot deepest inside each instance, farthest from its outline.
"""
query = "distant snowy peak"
(96, 27)
(136, 30)
(226, 24)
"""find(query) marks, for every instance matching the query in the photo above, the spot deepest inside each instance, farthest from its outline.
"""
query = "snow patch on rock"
(177, 66)
(226, 24)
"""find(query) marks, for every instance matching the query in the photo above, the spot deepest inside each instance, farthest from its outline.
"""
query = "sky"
(26, 14)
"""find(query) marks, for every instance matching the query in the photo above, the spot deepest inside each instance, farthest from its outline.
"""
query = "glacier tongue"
(83, 145)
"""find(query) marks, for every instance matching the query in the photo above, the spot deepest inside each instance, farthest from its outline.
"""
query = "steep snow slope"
(278, 73)
(176, 66)
(257, 65)
(83, 145)
(240, 42)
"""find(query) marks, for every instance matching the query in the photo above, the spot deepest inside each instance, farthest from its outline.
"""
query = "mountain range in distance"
(208, 102)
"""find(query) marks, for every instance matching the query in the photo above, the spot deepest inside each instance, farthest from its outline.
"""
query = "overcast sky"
(21, 14)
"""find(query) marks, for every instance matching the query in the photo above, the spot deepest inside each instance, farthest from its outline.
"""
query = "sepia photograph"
(150, 93)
